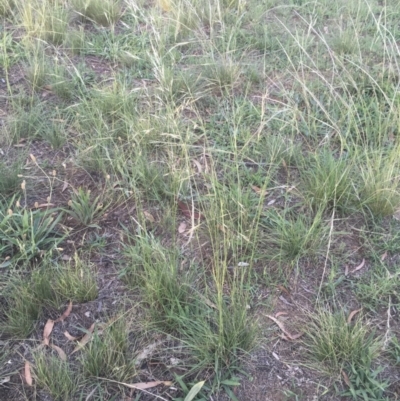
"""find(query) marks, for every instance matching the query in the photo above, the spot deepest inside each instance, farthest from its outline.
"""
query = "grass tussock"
(178, 169)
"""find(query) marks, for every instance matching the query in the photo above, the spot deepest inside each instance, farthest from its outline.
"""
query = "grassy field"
(199, 200)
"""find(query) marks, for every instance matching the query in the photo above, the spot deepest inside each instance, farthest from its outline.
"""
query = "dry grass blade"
(352, 314)
(27, 374)
(60, 352)
(65, 314)
(48, 328)
(282, 327)
(85, 339)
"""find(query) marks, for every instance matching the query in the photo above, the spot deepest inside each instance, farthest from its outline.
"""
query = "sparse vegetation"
(174, 171)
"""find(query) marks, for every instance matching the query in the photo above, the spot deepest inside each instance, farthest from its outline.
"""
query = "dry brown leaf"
(354, 312)
(65, 186)
(69, 337)
(284, 290)
(258, 190)
(282, 327)
(182, 227)
(198, 165)
(48, 328)
(165, 5)
(280, 314)
(187, 211)
(144, 385)
(37, 205)
(346, 378)
(60, 352)
(27, 373)
(360, 266)
(384, 256)
(147, 351)
(346, 270)
(85, 339)
(149, 216)
(207, 301)
(65, 314)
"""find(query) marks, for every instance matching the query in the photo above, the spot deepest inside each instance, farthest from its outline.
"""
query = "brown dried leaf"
(198, 165)
(147, 351)
(37, 205)
(27, 373)
(346, 270)
(144, 385)
(346, 378)
(182, 227)
(280, 314)
(360, 266)
(352, 314)
(284, 290)
(165, 5)
(65, 314)
(187, 211)
(48, 328)
(85, 339)
(65, 186)
(282, 327)
(69, 337)
(384, 256)
(149, 216)
(60, 352)
(258, 190)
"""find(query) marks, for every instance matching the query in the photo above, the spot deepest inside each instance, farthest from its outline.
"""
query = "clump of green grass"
(22, 311)
(6, 7)
(76, 41)
(56, 25)
(155, 270)
(328, 181)
(335, 343)
(27, 234)
(10, 183)
(108, 354)
(50, 285)
(379, 288)
(55, 283)
(366, 382)
(84, 209)
(55, 376)
(103, 12)
(295, 236)
(380, 181)
(24, 123)
(37, 69)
